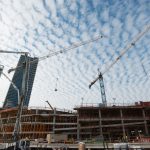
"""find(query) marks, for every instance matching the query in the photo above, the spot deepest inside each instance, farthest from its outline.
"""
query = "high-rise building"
(11, 99)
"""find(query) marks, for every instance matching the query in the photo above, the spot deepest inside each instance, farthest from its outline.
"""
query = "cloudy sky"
(45, 26)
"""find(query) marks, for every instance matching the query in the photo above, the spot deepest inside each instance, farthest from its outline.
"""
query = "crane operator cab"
(23, 144)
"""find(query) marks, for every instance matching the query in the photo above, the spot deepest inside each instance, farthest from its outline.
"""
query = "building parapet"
(90, 105)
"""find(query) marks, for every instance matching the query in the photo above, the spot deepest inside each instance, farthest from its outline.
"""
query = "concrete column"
(36, 119)
(37, 111)
(100, 124)
(145, 122)
(54, 120)
(122, 122)
(2, 128)
(78, 127)
(127, 133)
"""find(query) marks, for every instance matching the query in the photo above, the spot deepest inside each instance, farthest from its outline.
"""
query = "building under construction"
(37, 123)
(114, 123)
(89, 122)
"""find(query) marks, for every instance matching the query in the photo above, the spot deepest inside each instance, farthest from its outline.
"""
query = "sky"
(43, 27)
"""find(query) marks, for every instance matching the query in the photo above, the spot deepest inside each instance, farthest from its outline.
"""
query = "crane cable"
(131, 44)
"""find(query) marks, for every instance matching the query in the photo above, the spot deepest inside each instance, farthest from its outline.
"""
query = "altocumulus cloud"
(47, 26)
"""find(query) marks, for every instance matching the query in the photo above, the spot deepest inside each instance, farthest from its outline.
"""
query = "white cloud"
(41, 28)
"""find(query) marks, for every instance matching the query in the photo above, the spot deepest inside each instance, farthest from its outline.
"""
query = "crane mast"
(20, 106)
(102, 88)
(16, 132)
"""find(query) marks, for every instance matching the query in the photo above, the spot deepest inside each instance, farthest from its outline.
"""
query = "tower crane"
(25, 65)
(127, 47)
(66, 49)
(102, 88)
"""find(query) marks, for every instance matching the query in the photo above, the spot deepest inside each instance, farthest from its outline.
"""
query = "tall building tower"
(11, 99)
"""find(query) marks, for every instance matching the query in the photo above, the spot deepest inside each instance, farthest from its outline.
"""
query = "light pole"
(1, 69)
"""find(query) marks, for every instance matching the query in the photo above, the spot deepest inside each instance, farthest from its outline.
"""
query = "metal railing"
(101, 105)
(48, 108)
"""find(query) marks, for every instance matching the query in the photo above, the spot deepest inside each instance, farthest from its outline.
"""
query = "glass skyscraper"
(11, 99)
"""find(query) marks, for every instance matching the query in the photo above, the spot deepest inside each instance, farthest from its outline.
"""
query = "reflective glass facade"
(11, 99)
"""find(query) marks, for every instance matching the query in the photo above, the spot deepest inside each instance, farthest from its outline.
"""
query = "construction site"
(100, 123)
(89, 123)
